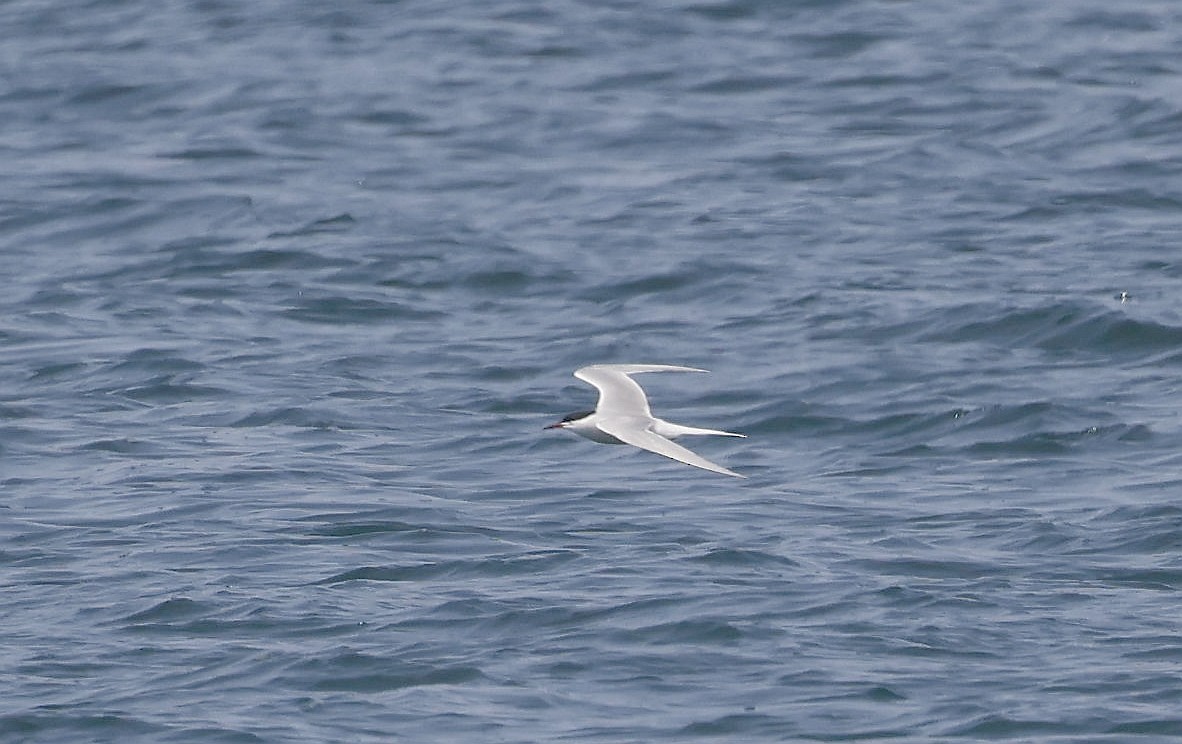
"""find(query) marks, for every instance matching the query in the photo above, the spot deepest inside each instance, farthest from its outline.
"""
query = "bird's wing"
(619, 393)
(633, 433)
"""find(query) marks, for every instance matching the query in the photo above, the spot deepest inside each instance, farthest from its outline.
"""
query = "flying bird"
(622, 415)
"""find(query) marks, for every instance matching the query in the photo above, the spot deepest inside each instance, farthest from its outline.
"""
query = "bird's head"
(570, 419)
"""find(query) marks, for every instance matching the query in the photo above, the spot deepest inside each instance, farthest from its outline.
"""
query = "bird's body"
(622, 415)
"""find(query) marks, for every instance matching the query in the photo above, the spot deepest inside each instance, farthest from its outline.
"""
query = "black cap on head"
(568, 419)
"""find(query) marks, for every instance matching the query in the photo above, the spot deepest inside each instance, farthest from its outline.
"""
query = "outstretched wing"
(619, 393)
(629, 433)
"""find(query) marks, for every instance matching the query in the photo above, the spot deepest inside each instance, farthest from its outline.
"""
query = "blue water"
(291, 288)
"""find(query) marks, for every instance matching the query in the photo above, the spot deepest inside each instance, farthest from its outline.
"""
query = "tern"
(622, 415)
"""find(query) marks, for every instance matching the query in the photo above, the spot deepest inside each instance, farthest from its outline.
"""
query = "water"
(291, 291)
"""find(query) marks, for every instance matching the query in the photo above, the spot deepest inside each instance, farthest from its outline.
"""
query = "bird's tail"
(666, 429)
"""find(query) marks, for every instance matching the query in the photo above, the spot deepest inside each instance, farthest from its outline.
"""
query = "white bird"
(622, 415)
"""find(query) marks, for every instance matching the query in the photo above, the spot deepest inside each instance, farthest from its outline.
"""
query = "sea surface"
(291, 288)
